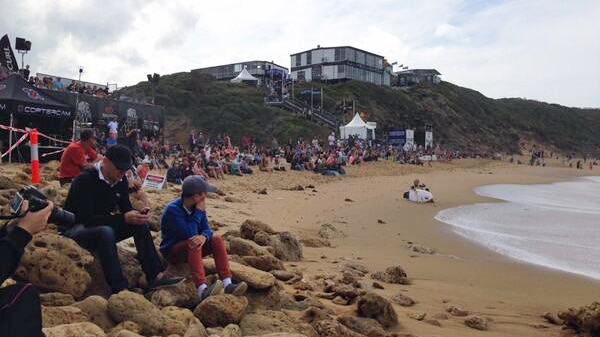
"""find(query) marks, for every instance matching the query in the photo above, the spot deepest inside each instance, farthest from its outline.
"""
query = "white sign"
(154, 181)
(428, 139)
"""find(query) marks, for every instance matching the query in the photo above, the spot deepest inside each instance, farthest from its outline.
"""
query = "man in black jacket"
(20, 310)
(99, 198)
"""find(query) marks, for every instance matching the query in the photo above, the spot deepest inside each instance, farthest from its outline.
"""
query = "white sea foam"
(553, 225)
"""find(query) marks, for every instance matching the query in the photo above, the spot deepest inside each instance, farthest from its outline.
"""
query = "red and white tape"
(53, 152)
(10, 128)
(15, 145)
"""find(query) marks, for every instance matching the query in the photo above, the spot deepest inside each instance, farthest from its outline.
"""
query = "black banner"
(7, 57)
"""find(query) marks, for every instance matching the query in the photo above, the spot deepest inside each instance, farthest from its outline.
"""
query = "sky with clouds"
(547, 50)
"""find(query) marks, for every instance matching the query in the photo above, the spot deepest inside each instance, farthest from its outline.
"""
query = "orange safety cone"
(35, 162)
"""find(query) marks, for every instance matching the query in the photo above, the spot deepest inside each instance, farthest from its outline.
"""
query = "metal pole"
(10, 140)
(311, 99)
(321, 99)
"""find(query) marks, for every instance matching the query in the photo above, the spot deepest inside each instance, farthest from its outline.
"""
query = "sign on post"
(154, 181)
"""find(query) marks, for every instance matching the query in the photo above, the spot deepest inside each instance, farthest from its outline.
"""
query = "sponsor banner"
(154, 181)
(397, 137)
(7, 57)
(3, 106)
(43, 111)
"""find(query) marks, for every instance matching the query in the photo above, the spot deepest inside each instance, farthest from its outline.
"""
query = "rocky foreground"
(281, 301)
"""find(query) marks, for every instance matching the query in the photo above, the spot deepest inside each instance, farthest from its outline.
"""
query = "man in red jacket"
(77, 157)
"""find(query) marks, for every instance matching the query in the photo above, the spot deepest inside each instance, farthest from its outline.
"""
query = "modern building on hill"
(410, 77)
(263, 70)
(339, 64)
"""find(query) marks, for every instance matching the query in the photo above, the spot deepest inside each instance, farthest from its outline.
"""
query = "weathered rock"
(266, 322)
(419, 316)
(374, 306)
(432, 321)
(328, 231)
(552, 318)
(403, 300)
(441, 315)
(53, 316)
(250, 227)
(345, 291)
(182, 294)
(124, 333)
(273, 299)
(339, 300)
(283, 275)
(196, 329)
(281, 334)
(221, 310)
(127, 326)
(394, 274)
(366, 326)
(231, 330)
(233, 199)
(255, 278)
(7, 183)
(85, 329)
(417, 248)
(477, 322)
(456, 311)
(264, 262)
(333, 328)
(56, 263)
(96, 308)
(132, 268)
(56, 299)
(182, 315)
(286, 247)
(128, 306)
(245, 247)
(584, 319)
(315, 242)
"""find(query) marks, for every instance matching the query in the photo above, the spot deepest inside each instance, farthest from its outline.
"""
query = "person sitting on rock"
(186, 236)
(20, 308)
(77, 156)
(99, 198)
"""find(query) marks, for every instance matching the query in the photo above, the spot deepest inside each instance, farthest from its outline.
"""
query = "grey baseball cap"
(196, 184)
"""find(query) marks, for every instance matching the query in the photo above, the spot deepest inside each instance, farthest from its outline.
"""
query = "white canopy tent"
(244, 77)
(358, 127)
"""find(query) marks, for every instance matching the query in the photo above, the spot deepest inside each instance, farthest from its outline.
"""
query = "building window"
(340, 67)
(298, 59)
(301, 75)
(309, 57)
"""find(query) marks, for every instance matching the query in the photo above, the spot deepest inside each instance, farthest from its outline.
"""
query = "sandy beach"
(512, 294)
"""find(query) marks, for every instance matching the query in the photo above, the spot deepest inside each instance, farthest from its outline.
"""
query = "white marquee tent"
(244, 77)
(358, 127)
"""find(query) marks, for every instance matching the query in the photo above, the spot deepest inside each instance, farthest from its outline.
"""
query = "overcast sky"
(540, 49)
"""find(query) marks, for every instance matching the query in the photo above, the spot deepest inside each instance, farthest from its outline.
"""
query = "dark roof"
(364, 51)
(420, 71)
(231, 64)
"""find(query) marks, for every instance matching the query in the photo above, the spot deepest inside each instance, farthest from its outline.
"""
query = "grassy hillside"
(461, 118)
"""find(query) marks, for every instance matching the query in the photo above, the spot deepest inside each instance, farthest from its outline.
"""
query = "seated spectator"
(174, 174)
(187, 237)
(78, 156)
(143, 169)
(265, 163)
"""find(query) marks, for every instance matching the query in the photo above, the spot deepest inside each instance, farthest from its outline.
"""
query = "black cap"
(195, 184)
(120, 156)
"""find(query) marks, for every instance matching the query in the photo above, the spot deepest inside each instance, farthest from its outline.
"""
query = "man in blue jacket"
(186, 236)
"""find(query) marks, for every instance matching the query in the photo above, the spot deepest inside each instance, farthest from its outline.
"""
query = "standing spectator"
(58, 85)
(113, 133)
(192, 140)
(331, 140)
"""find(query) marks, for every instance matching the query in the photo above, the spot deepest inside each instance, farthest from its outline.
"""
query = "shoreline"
(463, 273)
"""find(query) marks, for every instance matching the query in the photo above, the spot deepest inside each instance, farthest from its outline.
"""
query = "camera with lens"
(38, 201)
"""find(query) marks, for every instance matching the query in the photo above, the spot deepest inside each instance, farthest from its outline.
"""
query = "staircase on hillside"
(316, 115)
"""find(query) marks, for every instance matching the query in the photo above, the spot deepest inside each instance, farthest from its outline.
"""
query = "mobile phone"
(15, 203)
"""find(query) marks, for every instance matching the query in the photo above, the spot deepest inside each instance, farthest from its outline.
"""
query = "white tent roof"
(244, 75)
(356, 122)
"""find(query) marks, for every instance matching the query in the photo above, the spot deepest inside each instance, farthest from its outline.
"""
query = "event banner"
(7, 59)
(154, 181)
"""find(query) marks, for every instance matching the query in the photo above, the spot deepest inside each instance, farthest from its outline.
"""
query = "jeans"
(181, 252)
(103, 241)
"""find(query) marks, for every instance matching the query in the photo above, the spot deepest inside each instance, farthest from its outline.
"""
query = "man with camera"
(99, 198)
(77, 157)
(20, 310)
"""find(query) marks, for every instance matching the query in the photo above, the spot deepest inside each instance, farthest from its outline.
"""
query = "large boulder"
(584, 319)
(477, 322)
(392, 275)
(182, 294)
(56, 263)
(245, 247)
(403, 300)
(56, 299)
(366, 326)
(53, 316)
(74, 330)
(286, 247)
(128, 306)
(132, 268)
(221, 310)
(255, 278)
(96, 308)
(195, 329)
(182, 315)
(328, 231)
(374, 306)
(264, 322)
(264, 262)
(250, 227)
(231, 330)
(333, 328)
(125, 326)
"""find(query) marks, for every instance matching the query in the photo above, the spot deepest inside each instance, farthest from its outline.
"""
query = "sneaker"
(164, 281)
(236, 289)
(214, 289)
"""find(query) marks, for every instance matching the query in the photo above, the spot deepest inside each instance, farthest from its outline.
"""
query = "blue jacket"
(177, 224)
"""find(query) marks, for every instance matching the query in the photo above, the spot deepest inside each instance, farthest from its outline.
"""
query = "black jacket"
(12, 245)
(95, 202)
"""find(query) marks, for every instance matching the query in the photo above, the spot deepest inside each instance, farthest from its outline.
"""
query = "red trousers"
(216, 246)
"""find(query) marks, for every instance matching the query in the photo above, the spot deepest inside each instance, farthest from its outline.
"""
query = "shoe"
(236, 289)
(214, 289)
(164, 281)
